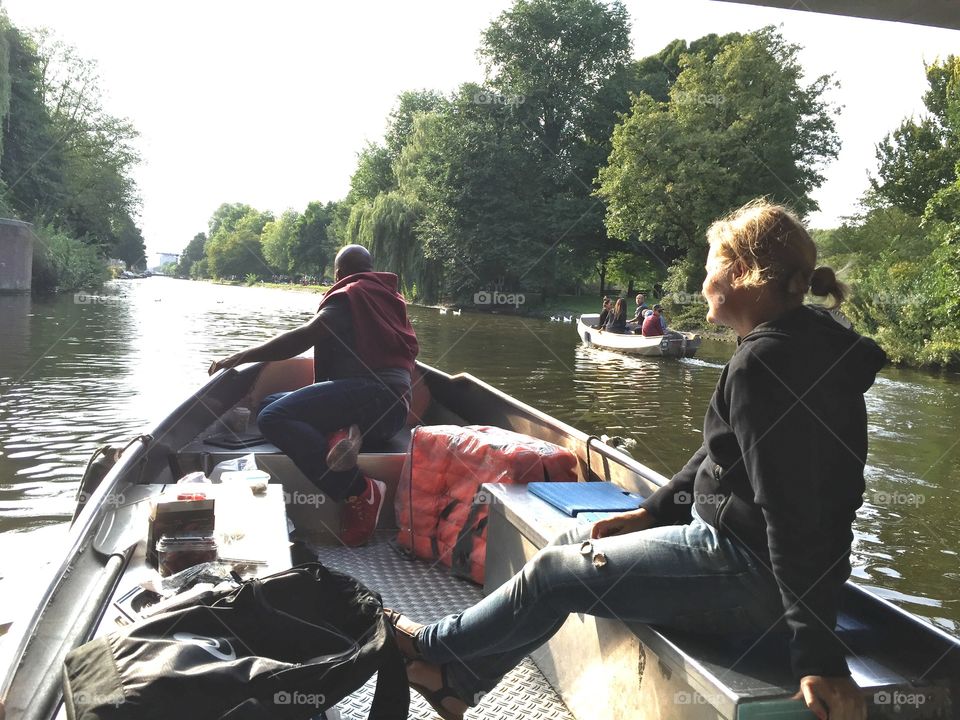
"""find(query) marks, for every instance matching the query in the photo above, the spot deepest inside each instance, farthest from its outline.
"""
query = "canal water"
(77, 372)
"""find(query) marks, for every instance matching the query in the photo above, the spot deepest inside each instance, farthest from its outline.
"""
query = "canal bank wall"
(16, 256)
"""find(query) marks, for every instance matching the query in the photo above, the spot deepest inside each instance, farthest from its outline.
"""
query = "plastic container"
(179, 552)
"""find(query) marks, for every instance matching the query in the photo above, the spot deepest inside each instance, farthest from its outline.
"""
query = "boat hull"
(678, 345)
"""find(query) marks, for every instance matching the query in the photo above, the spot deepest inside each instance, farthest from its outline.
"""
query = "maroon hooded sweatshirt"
(383, 335)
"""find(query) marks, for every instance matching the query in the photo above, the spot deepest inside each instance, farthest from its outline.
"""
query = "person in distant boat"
(617, 319)
(753, 535)
(604, 314)
(364, 352)
(655, 324)
(641, 311)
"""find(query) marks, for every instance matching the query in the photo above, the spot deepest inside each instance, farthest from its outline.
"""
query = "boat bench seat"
(606, 668)
(307, 507)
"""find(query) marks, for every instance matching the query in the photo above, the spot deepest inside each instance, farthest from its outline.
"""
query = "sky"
(269, 104)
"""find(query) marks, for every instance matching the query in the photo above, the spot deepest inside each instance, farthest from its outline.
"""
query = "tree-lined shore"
(65, 162)
(572, 167)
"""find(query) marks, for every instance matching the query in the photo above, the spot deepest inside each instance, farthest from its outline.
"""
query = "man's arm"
(283, 346)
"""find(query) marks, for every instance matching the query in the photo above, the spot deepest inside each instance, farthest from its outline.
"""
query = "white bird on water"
(443, 311)
(458, 313)
(568, 318)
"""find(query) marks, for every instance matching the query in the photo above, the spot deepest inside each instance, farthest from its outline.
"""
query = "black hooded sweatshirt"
(781, 467)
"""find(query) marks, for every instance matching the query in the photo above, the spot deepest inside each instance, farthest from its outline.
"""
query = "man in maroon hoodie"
(364, 352)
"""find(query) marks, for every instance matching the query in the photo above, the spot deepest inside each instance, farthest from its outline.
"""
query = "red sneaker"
(360, 513)
(343, 448)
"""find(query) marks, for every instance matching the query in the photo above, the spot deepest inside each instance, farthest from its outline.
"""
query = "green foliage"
(251, 279)
(64, 264)
(738, 124)
(919, 158)
(192, 253)
(66, 164)
(234, 248)
(279, 240)
(316, 244)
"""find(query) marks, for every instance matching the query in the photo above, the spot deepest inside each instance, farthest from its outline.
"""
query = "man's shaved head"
(352, 259)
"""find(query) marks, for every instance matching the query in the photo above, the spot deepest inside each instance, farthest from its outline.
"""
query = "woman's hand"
(226, 363)
(628, 522)
(836, 698)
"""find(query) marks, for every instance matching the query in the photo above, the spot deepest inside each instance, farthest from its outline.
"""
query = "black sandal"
(407, 629)
(435, 698)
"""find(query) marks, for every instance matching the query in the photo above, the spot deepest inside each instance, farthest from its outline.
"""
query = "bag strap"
(391, 698)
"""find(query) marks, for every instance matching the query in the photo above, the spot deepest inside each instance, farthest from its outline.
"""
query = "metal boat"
(591, 669)
(676, 344)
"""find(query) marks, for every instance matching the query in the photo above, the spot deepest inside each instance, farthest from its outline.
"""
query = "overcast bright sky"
(268, 104)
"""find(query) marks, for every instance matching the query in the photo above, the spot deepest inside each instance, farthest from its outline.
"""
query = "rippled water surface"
(76, 373)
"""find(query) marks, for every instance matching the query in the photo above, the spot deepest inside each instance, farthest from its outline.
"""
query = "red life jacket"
(382, 332)
(651, 326)
(439, 512)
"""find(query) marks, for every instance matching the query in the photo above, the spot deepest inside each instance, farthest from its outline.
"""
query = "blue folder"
(576, 497)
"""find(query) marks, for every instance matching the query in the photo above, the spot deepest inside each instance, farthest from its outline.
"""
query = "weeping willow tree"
(386, 226)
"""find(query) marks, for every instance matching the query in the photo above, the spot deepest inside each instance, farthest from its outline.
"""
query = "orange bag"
(440, 514)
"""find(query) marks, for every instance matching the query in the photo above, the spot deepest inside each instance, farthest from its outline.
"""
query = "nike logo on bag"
(211, 645)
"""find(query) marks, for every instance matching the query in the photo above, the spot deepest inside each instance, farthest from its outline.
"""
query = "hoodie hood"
(834, 349)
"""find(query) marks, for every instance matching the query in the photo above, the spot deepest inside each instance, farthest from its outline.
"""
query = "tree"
(549, 59)
(31, 165)
(316, 245)
(100, 197)
(737, 126)
(192, 253)
(234, 248)
(919, 158)
(279, 239)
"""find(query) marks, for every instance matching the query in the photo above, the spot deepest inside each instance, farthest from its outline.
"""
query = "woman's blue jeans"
(300, 422)
(678, 576)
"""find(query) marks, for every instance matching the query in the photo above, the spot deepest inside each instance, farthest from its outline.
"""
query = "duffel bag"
(286, 646)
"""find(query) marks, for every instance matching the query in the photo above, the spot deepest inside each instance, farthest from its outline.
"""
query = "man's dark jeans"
(300, 422)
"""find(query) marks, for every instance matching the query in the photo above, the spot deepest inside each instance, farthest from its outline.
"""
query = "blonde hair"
(775, 250)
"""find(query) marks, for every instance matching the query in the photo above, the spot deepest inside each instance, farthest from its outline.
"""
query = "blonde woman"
(753, 535)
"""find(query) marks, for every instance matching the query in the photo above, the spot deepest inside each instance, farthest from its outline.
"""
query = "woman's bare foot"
(430, 681)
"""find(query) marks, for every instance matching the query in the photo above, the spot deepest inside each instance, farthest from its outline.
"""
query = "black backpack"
(287, 646)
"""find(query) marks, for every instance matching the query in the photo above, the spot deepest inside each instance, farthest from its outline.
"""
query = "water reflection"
(76, 375)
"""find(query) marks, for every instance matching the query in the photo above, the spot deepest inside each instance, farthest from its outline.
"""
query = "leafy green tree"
(192, 253)
(409, 105)
(234, 248)
(919, 158)
(100, 196)
(736, 126)
(31, 166)
(279, 239)
(316, 245)
(549, 59)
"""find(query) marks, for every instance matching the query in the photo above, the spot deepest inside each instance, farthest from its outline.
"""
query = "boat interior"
(592, 668)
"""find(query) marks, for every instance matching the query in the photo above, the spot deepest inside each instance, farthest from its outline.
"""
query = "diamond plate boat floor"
(426, 593)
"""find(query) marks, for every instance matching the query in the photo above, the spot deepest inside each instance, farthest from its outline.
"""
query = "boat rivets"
(586, 547)
(599, 560)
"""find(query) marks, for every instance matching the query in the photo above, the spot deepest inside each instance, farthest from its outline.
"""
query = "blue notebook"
(575, 497)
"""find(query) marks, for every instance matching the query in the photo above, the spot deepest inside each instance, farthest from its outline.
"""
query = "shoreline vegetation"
(573, 165)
